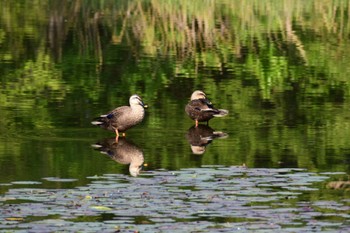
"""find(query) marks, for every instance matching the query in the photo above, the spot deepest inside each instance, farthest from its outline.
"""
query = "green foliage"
(280, 67)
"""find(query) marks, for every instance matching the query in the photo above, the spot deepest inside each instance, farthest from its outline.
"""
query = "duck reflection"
(199, 137)
(123, 152)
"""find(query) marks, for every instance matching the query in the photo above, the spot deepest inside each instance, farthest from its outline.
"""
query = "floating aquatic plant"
(199, 199)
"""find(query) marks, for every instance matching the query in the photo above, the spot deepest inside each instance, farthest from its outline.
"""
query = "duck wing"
(204, 105)
(112, 119)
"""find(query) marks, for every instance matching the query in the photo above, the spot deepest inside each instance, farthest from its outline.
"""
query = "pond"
(279, 161)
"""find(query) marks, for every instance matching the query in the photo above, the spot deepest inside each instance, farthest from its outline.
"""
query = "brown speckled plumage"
(124, 117)
(123, 152)
(202, 135)
(201, 109)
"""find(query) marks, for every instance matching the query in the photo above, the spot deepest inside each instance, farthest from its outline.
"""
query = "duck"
(122, 118)
(200, 109)
(201, 136)
(123, 152)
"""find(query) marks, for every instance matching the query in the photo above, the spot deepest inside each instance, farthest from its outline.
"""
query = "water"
(285, 85)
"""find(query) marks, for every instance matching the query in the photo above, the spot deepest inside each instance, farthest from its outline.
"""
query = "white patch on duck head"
(136, 100)
(198, 95)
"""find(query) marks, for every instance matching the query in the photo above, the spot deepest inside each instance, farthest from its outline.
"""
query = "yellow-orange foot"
(116, 135)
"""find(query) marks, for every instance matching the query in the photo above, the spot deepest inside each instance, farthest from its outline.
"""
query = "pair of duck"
(199, 109)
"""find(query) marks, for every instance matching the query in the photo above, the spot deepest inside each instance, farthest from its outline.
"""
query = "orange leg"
(196, 123)
(116, 135)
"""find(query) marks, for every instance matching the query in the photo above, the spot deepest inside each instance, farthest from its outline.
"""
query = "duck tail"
(100, 121)
(96, 146)
(219, 134)
(221, 113)
(96, 122)
(102, 149)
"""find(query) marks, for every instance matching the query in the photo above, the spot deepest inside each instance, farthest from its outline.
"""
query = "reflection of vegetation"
(258, 40)
(26, 89)
(282, 65)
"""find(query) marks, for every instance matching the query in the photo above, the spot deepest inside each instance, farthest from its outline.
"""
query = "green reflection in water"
(279, 67)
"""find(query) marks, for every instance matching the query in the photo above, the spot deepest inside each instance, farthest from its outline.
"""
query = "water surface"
(279, 68)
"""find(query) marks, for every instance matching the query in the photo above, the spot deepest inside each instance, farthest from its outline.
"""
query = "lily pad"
(57, 179)
(101, 208)
(5, 184)
(202, 199)
(26, 182)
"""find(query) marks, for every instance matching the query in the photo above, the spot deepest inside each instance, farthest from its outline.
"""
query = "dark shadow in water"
(199, 137)
(123, 152)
